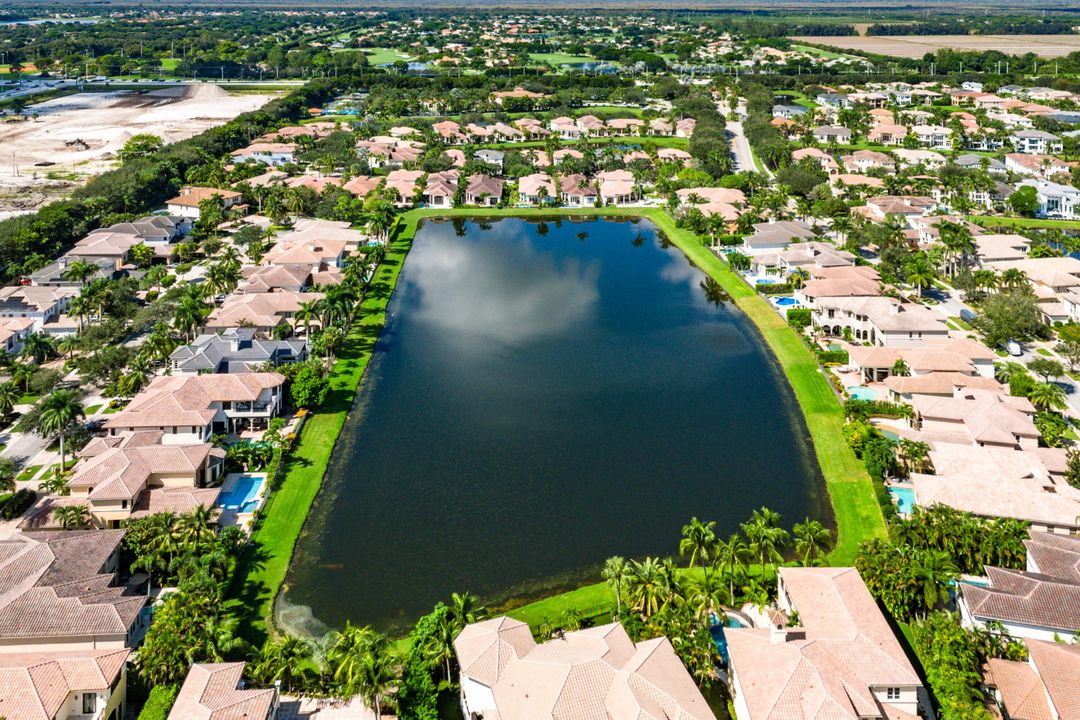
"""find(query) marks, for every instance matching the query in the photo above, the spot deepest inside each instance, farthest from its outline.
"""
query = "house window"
(89, 703)
(892, 693)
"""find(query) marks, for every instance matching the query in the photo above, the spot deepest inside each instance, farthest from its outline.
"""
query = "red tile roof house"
(592, 674)
(841, 662)
(576, 190)
(261, 311)
(189, 409)
(1045, 687)
(483, 190)
(1039, 603)
(537, 189)
(58, 594)
(215, 691)
(63, 685)
(440, 188)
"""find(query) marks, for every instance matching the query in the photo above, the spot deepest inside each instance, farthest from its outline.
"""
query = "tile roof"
(592, 674)
(35, 686)
(211, 692)
(260, 310)
(171, 401)
(1022, 692)
(1026, 598)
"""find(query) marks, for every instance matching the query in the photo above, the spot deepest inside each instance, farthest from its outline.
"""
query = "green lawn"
(169, 63)
(827, 54)
(557, 59)
(381, 56)
(989, 221)
(91, 409)
(960, 323)
(28, 473)
(262, 570)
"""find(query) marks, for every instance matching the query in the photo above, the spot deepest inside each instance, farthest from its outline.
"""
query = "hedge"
(774, 288)
(159, 703)
(799, 317)
(832, 357)
(17, 504)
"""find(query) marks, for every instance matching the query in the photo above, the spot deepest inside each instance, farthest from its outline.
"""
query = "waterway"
(545, 395)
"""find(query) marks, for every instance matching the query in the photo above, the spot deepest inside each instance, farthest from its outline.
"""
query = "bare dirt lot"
(76, 137)
(915, 46)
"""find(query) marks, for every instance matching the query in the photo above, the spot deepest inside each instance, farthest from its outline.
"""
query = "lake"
(544, 395)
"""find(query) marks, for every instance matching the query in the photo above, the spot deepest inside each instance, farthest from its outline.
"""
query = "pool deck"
(232, 515)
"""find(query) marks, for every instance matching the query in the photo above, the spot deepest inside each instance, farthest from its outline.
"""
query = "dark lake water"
(544, 396)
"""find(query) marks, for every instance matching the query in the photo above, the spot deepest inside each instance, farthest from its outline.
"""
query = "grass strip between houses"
(260, 577)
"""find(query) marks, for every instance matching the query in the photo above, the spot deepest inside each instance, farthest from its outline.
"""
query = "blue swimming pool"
(905, 498)
(716, 629)
(786, 301)
(768, 281)
(240, 496)
(859, 392)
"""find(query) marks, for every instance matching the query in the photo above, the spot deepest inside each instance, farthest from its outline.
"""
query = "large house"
(234, 350)
(592, 674)
(262, 312)
(878, 320)
(215, 691)
(186, 204)
(1041, 602)
(189, 409)
(71, 685)
(1055, 200)
(40, 304)
(839, 659)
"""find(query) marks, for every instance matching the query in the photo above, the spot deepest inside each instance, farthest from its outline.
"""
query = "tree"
(811, 537)
(308, 386)
(281, 660)
(9, 396)
(72, 517)
(1025, 201)
(139, 145)
(1010, 315)
(730, 559)
(54, 415)
(765, 536)
(616, 573)
(141, 254)
(1072, 471)
(1048, 396)
(79, 271)
(699, 542)
(900, 368)
(1046, 368)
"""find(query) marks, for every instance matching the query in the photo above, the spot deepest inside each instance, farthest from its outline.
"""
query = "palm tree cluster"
(911, 572)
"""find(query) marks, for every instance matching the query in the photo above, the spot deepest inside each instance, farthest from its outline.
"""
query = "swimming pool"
(240, 493)
(859, 392)
(716, 629)
(768, 281)
(786, 301)
(904, 497)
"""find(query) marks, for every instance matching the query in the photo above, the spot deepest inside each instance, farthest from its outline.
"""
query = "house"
(878, 320)
(40, 304)
(616, 187)
(1036, 142)
(977, 417)
(789, 111)
(971, 161)
(186, 204)
(491, 158)
(908, 207)
(66, 582)
(483, 190)
(566, 128)
(576, 190)
(822, 158)
(887, 134)
(1036, 165)
(1000, 248)
(263, 312)
(216, 691)
(862, 160)
(774, 236)
(1043, 686)
(132, 475)
(1057, 201)
(1041, 602)
(933, 136)
(962, 356)
(362, 185)
(684, 127)
(537, 189)
(828, 134)
(310, 253)
(449, 131)
(189, 409)
(234, 350)
(64, 685)
(440, 188)
(597, 673)
(730, 196)
(405, 183)
(995, 480)
(927, 158)
(518, 93)
(838, 659)
(267, 153)
(835, 100)
(839, 281)
(674, 155)
(13, 332)
(273, 278)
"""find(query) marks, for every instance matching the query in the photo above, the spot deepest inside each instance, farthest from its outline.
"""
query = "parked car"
(1014, 348)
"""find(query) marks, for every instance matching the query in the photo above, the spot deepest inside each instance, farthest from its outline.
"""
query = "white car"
(1014, 348)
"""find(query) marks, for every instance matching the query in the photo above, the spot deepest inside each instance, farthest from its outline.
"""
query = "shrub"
(799, 318)
(774, 288)
(159, 703)
(17, 504)
(832, 357)
(730, 240)
(309, 386)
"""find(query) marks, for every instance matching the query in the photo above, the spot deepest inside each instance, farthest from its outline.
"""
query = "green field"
(557, 59)
(169, 63)
(827, 54)
(382, 56)
(1033, 223)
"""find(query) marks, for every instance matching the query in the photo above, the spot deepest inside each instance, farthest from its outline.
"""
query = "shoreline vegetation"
(262, 572)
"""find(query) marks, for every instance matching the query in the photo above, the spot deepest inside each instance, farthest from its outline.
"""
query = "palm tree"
(39, 347)
(616, 573)
(79, 271)
(56, 483)
(914, 454)
(464, 609)
(281, 660)
(766, 536)
(306, 312)
(811, 537)
(919, 273)
(730, 558)
(55, 415)
(192, 529)
(646, 587)
(347, 647)
(72, 517)
(934, 570)
(377, 673)
(900, 368)
(1048, 396)
(1013, 279)
(699, 542)
(9, 396)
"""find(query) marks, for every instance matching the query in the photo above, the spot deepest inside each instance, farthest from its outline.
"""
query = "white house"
(1056, 200)
(1036, 142)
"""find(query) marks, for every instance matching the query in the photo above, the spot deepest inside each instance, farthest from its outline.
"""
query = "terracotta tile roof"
(171, 401)
(35, 686)
(1026, 598)
(260, 310)
(56, 589)
(1054, 555)
(1022, 692)
(211, 692)
(1059, 667)
(592, 674)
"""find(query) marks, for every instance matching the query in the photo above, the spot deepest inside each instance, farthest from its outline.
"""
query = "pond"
(545, 395)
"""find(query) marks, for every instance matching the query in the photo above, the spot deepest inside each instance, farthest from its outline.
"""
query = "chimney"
(777, 635)
(894, 309)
